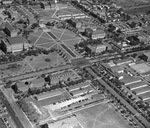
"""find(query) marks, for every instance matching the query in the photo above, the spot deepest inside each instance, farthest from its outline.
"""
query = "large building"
(10, 30)
(14, 44)
(98, 49)
(98, 33)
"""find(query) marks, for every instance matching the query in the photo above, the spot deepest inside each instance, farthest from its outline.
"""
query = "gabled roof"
(16, 40)
(9, 26)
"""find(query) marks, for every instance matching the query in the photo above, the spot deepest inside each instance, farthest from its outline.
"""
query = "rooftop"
(123, 61)
(17, 40)
(9, 26)
(43, 96)
(78, 86)
(130, 80)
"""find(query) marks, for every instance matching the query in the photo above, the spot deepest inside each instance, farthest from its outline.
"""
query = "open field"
(101, 116)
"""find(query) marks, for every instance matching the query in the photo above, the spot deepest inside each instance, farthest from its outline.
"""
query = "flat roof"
(145, 95)
(128, 80)
(141, 68)
(77, 86)
(17, 40)
(99, 31)
(82, 91)
(136, 85)
(123, 61)
(50, 94)
(147, 100)
(38, 82)
(143, 89)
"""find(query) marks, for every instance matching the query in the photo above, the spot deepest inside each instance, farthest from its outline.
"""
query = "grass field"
(101, 116)
(7, 69)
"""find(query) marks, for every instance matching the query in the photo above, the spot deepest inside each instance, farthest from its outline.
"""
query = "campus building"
(14, 44)
(98, 49)
(98, 33)
(10, 30)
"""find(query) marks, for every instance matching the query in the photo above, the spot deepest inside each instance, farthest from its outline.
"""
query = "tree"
(15, 87)
(42, 5)
(34, 25)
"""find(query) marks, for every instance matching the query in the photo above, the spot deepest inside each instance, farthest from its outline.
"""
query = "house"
(14, 44)
(10, 30)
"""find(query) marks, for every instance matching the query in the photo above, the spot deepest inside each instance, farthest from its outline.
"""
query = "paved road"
(37, 73)
(11, 112)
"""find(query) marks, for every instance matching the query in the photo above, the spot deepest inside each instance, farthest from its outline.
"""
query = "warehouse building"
(78, 86)
(81, 92)
(136, 85)
(47, 95)
(130, 80)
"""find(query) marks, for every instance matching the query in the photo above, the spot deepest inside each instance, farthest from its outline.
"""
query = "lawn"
(101, 116)
(8, 69)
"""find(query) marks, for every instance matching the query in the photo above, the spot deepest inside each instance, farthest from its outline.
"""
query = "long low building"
(142, 90)
(77, 93)
(49, 94)
(145, 95)
(130, 80)
(78, 86)
(136, 85)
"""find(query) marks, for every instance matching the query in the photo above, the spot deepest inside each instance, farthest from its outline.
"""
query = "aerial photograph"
(74, 63)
